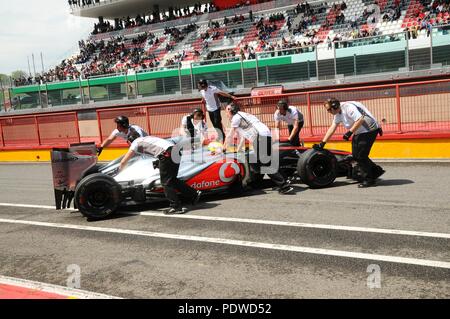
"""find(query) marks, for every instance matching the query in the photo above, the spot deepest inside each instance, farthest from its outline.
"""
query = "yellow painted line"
(392, 149)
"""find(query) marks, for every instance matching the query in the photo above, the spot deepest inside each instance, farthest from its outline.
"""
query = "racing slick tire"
(97, 196)
(317, 169)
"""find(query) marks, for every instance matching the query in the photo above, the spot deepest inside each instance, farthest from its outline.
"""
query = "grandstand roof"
(122, 8)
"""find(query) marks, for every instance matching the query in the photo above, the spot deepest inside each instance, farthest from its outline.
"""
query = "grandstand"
(166, 45)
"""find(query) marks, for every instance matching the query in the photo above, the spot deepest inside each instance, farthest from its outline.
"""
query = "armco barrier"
(408, 110)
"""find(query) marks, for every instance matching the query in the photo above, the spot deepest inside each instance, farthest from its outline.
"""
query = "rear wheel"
(97, 196)
(316, 168)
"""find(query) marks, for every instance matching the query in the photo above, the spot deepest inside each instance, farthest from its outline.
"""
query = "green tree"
(4, 79)
(18, 74)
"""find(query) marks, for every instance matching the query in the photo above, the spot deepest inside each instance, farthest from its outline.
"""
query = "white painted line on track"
(54, 289)
(301, 225)
(223, 241)
(272, 222)
(32, 206)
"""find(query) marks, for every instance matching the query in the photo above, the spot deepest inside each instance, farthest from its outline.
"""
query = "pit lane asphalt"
(411, 197)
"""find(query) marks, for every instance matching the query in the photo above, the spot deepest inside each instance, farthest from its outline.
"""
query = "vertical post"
(29, 68)
(317, 62)
(242, 73)
(81, 90)
(192, 77)
(126, 85)
(136, 84)
(267, 75)
(77, 127)
(179, 77)
(147, 117)
(1, 134)
(36, 125)
(308, 103)
(99, 127)
(354, 64)
(399, 113)
(228, 78)
(42, 63)
(89, 90)
(257, 70)
(431, 46)
(334, 59)
(407, 52)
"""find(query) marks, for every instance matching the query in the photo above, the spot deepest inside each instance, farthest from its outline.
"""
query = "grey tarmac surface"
(412, 197)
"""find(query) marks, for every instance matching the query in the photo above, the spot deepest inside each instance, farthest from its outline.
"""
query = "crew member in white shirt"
(251, 128)
(210, 96)
(292, 117)
(195, 127)
(124, 130)
(364, 127)
(168, 170)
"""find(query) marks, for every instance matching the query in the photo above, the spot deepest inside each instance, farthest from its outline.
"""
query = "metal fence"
(387, 53)
(407, 109)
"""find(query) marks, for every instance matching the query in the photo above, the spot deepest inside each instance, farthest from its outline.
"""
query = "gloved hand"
(99, 150)
(319, 147)
(380, 131)
(347, 135)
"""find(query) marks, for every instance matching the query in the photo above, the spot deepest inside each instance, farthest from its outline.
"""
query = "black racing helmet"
(122, 121)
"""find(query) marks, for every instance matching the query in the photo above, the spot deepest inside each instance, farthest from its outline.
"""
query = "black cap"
(333, 103)
(122, 120)
(203, 82)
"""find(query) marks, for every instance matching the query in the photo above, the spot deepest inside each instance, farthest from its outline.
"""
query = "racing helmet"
(122, 121)
(215, 147)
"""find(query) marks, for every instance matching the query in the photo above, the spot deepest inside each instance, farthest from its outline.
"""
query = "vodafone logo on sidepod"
(224, 167)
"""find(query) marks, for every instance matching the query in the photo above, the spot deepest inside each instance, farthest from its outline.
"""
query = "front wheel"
(97, 196)
(317, 169)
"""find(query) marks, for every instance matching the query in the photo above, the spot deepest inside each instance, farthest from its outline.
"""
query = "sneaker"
(286, 190)
(379, 173)
(196, 198)
(175, 210)
(367, 183)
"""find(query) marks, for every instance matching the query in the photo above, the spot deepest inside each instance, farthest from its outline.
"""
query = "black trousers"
(295, 141)
(361, 146)
(168, 171)
(262, 147)
(216, 120)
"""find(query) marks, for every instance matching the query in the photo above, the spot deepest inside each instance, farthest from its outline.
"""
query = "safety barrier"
(406, 110)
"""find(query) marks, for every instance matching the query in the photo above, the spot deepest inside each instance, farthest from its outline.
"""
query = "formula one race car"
(98, 190)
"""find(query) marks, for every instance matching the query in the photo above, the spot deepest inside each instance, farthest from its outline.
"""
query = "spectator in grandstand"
(124, 130)
(292, 117)
(169, 166)
(210, 96)
(359, 121)
(249, 127)
(195, 127)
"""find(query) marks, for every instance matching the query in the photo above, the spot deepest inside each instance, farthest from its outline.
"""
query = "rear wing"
(68, 166)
